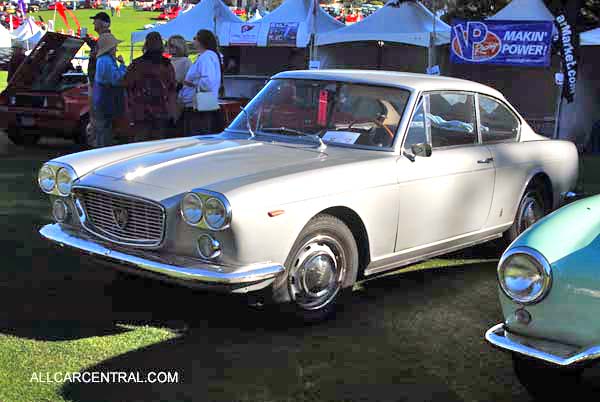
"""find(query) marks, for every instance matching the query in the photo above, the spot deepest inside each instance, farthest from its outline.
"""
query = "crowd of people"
(156, 91)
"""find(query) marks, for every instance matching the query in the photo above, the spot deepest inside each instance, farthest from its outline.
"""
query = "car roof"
(417, 82)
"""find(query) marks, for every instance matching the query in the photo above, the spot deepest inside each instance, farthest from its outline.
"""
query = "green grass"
(121, 27)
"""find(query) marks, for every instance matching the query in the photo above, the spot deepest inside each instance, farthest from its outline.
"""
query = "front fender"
(570, 240)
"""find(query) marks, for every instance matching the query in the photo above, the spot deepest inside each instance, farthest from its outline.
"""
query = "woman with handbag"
(201, 87)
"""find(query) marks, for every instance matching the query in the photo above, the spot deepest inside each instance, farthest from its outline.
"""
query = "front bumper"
(551, 352)
(182, 270)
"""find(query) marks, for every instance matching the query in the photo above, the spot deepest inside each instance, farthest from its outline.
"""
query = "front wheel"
(322, 265)
(545, 381)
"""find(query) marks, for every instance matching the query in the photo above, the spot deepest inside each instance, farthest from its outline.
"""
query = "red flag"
(74, 18)
(60, 9)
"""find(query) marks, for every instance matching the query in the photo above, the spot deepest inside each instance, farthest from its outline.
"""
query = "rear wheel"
(545, 381)
(84, 134)
(531, 209)
(320, 269)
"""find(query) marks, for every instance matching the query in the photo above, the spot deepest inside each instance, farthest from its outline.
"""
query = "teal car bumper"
(548, 351)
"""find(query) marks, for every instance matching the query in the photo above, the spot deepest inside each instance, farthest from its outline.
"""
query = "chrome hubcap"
(530, 214)
(317, 273)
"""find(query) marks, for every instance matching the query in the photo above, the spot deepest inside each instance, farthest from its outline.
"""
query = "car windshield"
(339, 113)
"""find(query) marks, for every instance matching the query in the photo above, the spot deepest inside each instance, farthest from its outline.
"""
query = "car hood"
(42, 70)
(208, 163)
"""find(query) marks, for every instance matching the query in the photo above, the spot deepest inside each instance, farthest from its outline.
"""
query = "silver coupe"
(328, 176)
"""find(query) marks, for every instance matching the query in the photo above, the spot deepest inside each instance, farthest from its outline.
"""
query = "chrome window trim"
(541, 260)
(442, 91)
(83, 219)
(511, 110)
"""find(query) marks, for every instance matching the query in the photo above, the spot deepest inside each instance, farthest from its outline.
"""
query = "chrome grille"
(144, 223)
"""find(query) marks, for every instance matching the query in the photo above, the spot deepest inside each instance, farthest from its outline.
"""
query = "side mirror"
(421, 149)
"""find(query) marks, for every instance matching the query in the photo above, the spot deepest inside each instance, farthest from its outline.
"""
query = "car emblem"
(121, 217)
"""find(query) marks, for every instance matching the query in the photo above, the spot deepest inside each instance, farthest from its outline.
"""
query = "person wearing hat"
(101, 26)
(108, 97)
(16, 59)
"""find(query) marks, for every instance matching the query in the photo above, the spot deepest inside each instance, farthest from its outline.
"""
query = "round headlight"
(208, 247)
(215, 214)
(191, 208)
(60, 211)
(64, 181)
(524, 275)
(46, 179)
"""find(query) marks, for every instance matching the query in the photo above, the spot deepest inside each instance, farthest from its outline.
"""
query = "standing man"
(108, 101)
(101, 26)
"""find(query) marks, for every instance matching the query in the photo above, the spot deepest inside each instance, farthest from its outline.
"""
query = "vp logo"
(476, 42)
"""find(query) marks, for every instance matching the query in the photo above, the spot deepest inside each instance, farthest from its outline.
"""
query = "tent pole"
(131, 52)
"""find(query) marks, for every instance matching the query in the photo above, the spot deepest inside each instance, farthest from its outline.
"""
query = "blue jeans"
(102, 129)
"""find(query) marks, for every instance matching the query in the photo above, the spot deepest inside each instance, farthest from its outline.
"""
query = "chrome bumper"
(497, 336)
(186, 271)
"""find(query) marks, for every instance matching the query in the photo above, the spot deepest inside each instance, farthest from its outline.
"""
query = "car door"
(447, 195)
(500, 128)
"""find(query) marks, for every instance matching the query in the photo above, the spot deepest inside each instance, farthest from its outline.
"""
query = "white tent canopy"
(213, 15)
(524, 10)
(301, 12)
(29, 33)
(5, 38)
(400, 22)
(590, 38)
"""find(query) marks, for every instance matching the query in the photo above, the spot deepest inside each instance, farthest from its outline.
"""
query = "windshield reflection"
(335, 112)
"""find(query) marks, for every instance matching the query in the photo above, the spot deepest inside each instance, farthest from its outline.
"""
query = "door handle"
(486, 160)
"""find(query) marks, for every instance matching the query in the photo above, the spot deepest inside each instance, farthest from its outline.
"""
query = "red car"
(16, 21)
(170, 13)
(47, 96)
(41, 98)
(156, 6)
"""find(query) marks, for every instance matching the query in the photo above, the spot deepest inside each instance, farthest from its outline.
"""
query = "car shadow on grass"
(401, 338)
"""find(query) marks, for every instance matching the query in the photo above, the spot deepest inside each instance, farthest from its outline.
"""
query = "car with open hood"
(550, 297)
(327, 177)
(48, 96)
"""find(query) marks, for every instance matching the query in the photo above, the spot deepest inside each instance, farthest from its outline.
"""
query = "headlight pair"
(206, 209)
(55, 179)
(525, 275)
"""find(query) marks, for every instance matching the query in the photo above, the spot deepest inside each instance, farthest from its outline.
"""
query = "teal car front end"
(550, 295)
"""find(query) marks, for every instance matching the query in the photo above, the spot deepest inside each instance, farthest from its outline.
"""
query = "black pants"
(197, 123)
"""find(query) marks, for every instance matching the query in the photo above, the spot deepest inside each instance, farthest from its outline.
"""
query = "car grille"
(123, 219)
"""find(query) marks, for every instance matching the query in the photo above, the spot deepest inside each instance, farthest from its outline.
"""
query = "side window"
(497, 122)
(417, 132)
(452, 119)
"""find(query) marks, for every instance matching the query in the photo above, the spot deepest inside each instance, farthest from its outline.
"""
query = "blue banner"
(512, 43)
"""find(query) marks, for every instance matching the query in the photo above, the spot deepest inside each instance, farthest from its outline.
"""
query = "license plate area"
(25, 121)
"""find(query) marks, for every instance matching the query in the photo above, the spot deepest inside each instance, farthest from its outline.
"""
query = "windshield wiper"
(288, 130)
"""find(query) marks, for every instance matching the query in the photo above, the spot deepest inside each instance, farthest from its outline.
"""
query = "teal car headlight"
(525, 275)
(56, 179)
